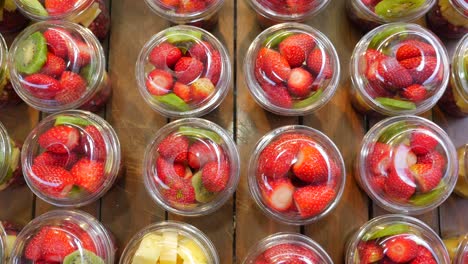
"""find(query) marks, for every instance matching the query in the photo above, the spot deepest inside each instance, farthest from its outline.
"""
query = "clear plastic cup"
(200, 13)
(191, 167)
(10, 167)
(397, 69)
(7, 95)
(11, 19)
(407, 164)
(461, 188)
(271, 12)
(449, 18)
(8, 234)
(71, 158)
(377, 241)
(285, 247)
(296, 175)
(305, 82)
(66, 69)
(458, 249)
(91, 14)
(183, 71)
(64, 236)
(455, 99)
(369, 14)
(169, 241)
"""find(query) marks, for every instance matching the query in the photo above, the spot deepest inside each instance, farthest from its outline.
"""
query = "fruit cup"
(287, 248)
(458, 249)
(200, 13)
(59, 65)
(64, 236)
(407, 164)
(10, 167)
(191, 168)
(449, 18)
(292, 69)
(170, 242)
(296, 175)
(71, 158)
(455, 99)
(91, 14)
(8, 234)
(270, 12)
(461, 188)
(398, 69)
(11, 19)
(183, 71)
(396, 239)
(7, 94)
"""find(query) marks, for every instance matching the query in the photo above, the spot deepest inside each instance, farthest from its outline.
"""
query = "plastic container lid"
(399, 69)
(387, 11)
(191, 167)
(64, 236)
(290, 165)
(37, 11)
(65, 69)
(170, 241)
(304, 83)
(461, 6)
(384, 232)
(288, 10)
(183, 71)
(5, 153)
(407, 164)
(71, 158)
(178, 13)
(462, 252)
(460, 70)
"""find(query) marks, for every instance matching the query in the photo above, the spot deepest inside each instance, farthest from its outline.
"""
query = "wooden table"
(239, 224)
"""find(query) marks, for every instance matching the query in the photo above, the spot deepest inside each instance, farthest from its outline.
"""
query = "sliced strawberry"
(183, 91)
(319, 63)
(300, 82)
(191, 6)
(428, 71)
(401, 249)
(180, 191)
(170, 3)
(296, 48)
(60, 139)
(168, 170)
(435, 158)
(275, 66)
(214, 67)
(278, 95)
(57, 41)
(215, 176)
(159, 82)
(379, 159)
(52, 180)
(54, 66)
(407, 51)
(394, 75)
(53, 159)
(74, 86)
(276, 159)
(415, 93)
(202, 89)
(33, 249)
(427, 177)
(370, 252)
(313, 200)
(88, 174)
(41, 86)
(202, 152)
(423, 251)
(59, 7)
(400, 184)
(188, 69)
(278, 193)
(174, 148)
(164, 55)
(311, 166)
(422, 143)
(59, 245)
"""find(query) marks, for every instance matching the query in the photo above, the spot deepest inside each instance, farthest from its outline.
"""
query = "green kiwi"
(390, 230)
(383, 35)
(35, 7)
(75, 192)
(173, 101)
(429, 197)
(70, 120)
(395, 103)
(202, 195)
(86, 73)
(31, 54)
(310, 100)
(393, 130)
(83, 256)
(200, 133)
(390, 9)
(174, 36)
(275, 39)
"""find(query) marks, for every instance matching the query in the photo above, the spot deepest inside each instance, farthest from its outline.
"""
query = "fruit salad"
(8, 234)
(7, 95)
(369, 14)
(183, 71)
(407, 164)
(398, 69)
(10, 166)
(287, 248)
(59, 65)
(449, 18)
(71, 158)
(63, 236)
(170, 243)
(11, 19)
(296, 174)
(291, 69)
(191, 167)
(455, 99)
(458, 249)
(199, 13)
(462, 182)
(270, 12)
(396, 239)
(92, 14)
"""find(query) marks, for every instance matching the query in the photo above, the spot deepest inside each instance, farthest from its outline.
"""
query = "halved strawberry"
(59, 245)
(159, 82)
(164, 55)
(179, 191)
(54, 66)
(57, 41)
(88, 174)
(48, 158)
(174, 148)
(422, 143)
(60, 139)
(202, 89)
(424, 251)
(379, 159)
(423, 69)
(400, 184)
(300, 82)
(401, 248)
(435, 158)
(311, 165)
(42, 86)
(276, 159)
(74, 86)
(168, 170)
(183, 91)
(313, 200)
(188, 69)
(370, 252)
(318, 62)
(59, 7)
(52, 180)
(278, 95)
(214, 67)
(415, 93)
(427, 177)
(278, 193)
(202, 152)
(296, 48)
(394, 75)
(275, 66)
(423, 260)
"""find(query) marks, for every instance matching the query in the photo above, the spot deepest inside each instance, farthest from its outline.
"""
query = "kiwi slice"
(429, 197)
(384, 34)
(390, 230)
(173, 101)
(310, 100)
(395, 103)
(392, 131)
(86, 73)
(200, 133)
(391, 9)
(83, 256)
(34, 6)
(74, 193)
(202, 195)
(174, 36)
(31, 54)
(70, 120)
(276, 38)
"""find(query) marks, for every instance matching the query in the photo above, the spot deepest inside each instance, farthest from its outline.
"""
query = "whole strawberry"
(188, 69)
(202, 152)
(311, 166)
(318, 62)
(415, 93)
(370, 252)
(427, 177)
(54, 66)
(52, 180)
(422, 143)
(179, 191)
(276, 159)
(275, 66)
(278, 95)
(59, 245)
(174, 148)
(60, 139)
(74, 86)
(289, 253)
(400, 185)
(296, 48)
(164, 55)
(215, 176)
(311, 201)
(88, 174)
(394, 75)
(167, 170)
(41, 85)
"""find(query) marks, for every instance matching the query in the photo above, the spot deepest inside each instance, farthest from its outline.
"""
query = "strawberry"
(101, 24)
(311, 165)
(378, 160)
(411, 63)
(60, 139)
(79, 53)
(59, 7)
(159, 82)
(54, 66)
(407, 51)
(278, 95)
(202, 89)
(74, 86)
(170, 3)
(400, 184)
(299, 6)
(188, 69)
(174, 148)
(215, 176)
(386, 260)
(424, 73)
(275, 66)
(400, 249)
(319, 63)
(33, 250)
(92, 143)
(415, 93)
(423, 260)
(200, 50)
(278, 193)
(164, 55)
(434, 158)
(258, 69)
(300, 82)
(213, 68)
(373, 55)
(191, 6)
(183, 91)
(370, 252)
(202, 152)
(394, 75)
(313, 200)
(260, 260)
(290, 254)
(167, 170)
(426, 176)
(377, 182)
(180, 191)
(59, 245)
(88, 174)
(57, 41)
(52, 180)
(48, 158)
(423, 251)
(295, 48)
(87, 242)
(375, 88)
(276, 159)
(422, 143)
(42, 86)
(425, 49)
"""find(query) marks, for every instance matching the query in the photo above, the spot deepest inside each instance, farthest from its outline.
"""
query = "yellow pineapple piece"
(149, 250)
(169, 245)
(191, 252)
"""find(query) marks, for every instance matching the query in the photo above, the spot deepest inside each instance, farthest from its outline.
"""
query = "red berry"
(278, 95)
(313, 200)
(300, 82)
(53, 159)
(394, 75)
(202, 152)
(400, 184)
(188, 69)
(60, 139)
(87, 242)
(191, 6)
(92, 143)
(427, 177)
(52, 180)
(434, 158)
(422, 143)
(200, 50)
(59, 7)
(401, 249)
(311, 166)
(276, 159)
(407, 51)
(74, 86)
(423, 251)
(174, 148)
(159, 82)
(202, 89)
(423, 69)
(378, 160)
(88, 174)
(169, 170)
(278, 193)
(213, 68)
(79, 53)
(415, 93)
(57, 41)
(296, 48)
(59, 245)
(164, 55)
(290, 254)
(42, 86)
(33, 249)
(54, 66)
(319, 63)
(180, 191)
(215, 176)
(170, 3)
(370, 252)
(183, 91)
(423, 260)
(275, 66)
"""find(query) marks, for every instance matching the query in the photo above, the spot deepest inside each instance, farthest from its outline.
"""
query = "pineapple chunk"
(149, 250)
(191, 252)
(10, 241)
(88, 16)
(168, 248)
